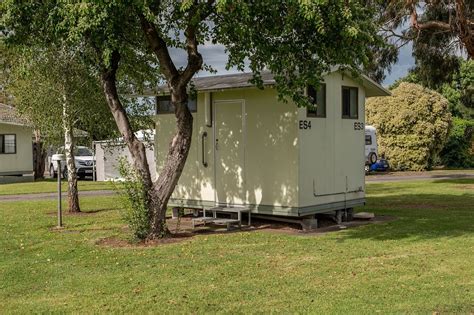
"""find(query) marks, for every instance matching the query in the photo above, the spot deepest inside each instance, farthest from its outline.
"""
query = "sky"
(215, 55)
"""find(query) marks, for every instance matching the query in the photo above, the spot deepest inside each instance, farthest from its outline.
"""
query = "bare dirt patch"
(184, 232)
(325, 225)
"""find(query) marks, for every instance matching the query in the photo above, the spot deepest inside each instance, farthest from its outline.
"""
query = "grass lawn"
(50, 185)
(420, 263)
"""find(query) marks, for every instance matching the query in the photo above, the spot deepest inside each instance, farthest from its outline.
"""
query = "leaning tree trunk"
(72, 191)
(158, 192)
(175, 160)
(136, 147)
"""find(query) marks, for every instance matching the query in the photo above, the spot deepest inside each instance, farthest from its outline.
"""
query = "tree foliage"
(412, 126)
(457, 151)
(456, 85)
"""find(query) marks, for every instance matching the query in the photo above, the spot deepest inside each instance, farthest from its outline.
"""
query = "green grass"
(50, 185)
(420, 263)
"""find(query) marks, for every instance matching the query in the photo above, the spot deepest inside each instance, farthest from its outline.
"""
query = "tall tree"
(451, 19)
(296, 40)
(57, 94)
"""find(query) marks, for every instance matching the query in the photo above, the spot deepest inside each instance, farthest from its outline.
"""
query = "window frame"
(369, 137)
(315, 113)
(345, 87)
(168, 97)
(3, 143)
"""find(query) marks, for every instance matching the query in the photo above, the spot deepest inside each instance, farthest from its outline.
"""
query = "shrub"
(412, 126)
(457, 151)
(134, 202)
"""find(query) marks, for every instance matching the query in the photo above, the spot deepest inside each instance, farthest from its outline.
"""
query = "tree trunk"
(39, 156)
(136, 147)
(175, 160)
(72, 191)
(158, 192)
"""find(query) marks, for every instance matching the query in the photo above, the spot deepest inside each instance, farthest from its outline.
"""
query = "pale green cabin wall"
(22, 161)
(281, 161)
(332, 150)
(271, 153)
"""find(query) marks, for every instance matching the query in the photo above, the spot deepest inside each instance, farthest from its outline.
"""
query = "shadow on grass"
(463, 181)
(421, 216)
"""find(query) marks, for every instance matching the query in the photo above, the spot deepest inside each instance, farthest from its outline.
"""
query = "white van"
(371, 150)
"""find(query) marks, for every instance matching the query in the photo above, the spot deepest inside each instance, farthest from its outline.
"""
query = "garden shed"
(249, 149)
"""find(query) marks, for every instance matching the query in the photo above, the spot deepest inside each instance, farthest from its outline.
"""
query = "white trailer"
(371, 148)
(251, 150)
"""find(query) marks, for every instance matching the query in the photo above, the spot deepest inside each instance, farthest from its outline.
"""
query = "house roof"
(241, 80)
(9, 115)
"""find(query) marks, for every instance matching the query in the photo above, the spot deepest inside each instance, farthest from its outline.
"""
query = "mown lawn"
(50, 185)
(420, 263)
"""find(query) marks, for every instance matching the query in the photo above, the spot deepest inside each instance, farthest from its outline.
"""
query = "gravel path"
(46, 196)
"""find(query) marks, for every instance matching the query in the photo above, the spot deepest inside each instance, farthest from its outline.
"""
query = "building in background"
(16, 146)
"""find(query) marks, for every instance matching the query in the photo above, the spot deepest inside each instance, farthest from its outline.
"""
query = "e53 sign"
(305, 124)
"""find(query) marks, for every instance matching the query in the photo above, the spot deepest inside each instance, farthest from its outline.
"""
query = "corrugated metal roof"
(230, 81)
(9, 115)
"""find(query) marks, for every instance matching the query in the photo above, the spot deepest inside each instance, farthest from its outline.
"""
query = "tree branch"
(194, 57)
(158, 45)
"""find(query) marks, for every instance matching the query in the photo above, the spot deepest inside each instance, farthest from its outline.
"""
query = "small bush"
(457, 151)
(134, 201)
(412, 126)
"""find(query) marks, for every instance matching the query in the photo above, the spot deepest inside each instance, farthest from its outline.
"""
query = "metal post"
(60, 213)
(93, 162)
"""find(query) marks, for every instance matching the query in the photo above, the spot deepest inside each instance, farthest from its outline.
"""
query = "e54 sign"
(305, 124)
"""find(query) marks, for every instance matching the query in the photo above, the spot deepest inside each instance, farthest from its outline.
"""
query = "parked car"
(83, 159)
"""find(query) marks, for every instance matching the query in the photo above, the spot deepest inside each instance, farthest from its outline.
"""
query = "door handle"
(203, 143)
(217, 144)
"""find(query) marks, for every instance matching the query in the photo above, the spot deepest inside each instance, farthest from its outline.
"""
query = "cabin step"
(227, 222)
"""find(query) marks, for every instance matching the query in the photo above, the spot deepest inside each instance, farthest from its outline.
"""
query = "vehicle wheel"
(372, 158)
(367, 168)
(52, 173)
(65, 173)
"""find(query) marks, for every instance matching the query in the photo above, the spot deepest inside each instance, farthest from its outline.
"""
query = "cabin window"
(350, 102)
(318, 100)
(7, 144)
(164, 106)
(368, 140)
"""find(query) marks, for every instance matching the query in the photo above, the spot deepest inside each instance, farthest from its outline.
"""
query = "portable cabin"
(250, 149)
(16, 145)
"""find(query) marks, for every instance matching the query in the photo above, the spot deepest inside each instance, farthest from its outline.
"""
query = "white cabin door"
(229, 149)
